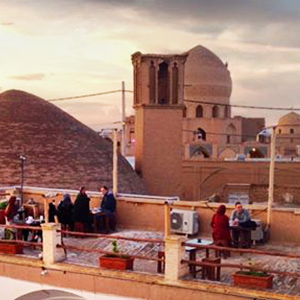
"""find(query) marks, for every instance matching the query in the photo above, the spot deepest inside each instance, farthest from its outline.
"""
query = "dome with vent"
(206, 76)
(60, 151)
(289, 119)
(289, 124)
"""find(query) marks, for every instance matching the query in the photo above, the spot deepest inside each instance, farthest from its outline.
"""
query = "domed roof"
(206, 75)
(290, 119)
(60, 151)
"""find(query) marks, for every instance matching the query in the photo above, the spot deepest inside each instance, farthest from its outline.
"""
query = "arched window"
(279, 131)
(199, 111)
(227, 111)
(175, 84)
(152, 83)
(291, 131)
(231, 131)
(163, 84)
(215, 111)
(228, 139)
(184, 112)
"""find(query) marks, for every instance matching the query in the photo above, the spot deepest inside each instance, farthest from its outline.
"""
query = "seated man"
(108, 206)
(240, 218)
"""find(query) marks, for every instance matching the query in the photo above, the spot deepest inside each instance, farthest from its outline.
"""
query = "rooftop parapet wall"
(147, 212)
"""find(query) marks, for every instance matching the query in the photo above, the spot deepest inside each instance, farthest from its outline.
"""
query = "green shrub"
(3, 204)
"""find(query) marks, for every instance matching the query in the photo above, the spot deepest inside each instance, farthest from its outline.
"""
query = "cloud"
(37, 76)
(277, 22)
(7, 23)
(87, 44)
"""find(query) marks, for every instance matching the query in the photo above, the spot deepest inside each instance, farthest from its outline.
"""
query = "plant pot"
(253, 281)
(11, 248)
(116, 262)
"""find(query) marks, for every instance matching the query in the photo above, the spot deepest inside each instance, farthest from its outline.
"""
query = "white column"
(271, 176)
(52, 238)
(167, 210)
(115, 161)
(174, 253)
(123, 120)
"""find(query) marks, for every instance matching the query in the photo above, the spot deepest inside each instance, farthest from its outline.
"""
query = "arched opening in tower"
(163, 84)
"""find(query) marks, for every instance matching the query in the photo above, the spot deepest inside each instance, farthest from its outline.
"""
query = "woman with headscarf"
(81, 213)
(11, 210)
(221, 229)
(65, 213)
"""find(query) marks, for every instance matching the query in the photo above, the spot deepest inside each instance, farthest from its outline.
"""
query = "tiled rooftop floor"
(281, 284)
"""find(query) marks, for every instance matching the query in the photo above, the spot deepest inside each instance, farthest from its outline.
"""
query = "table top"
(198, 242)
(96, 211)
(36, 222)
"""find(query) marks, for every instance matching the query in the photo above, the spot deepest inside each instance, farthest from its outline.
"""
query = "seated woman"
(221, 229)
(65, 212)
(11, 210)
(81, 212)
(11, 215)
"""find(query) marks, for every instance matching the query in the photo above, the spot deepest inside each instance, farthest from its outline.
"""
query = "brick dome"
(60, 151)
(206, 76)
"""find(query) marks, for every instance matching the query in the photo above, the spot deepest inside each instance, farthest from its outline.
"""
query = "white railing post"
(174, 253)
(52, 238)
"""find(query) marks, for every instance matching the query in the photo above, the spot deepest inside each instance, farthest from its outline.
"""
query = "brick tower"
(158, 102)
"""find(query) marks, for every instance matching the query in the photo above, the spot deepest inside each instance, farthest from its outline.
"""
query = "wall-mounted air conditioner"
(184, 221)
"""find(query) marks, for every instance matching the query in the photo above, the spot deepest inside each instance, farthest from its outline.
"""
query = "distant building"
(288, 135)
(183, 119)
(208, 130)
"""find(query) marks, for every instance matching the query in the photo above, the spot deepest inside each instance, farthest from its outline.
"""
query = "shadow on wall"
(50, 295)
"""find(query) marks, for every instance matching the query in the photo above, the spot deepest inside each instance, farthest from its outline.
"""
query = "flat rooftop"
(281, 284)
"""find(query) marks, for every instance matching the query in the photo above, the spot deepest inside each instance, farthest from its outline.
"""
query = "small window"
(215, 111)
(228, 139)
(291, 131)
(199, 111)
(184, 112)
(279, 131)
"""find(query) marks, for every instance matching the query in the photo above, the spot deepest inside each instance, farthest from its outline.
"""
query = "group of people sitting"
(227, 231)
(70, 215)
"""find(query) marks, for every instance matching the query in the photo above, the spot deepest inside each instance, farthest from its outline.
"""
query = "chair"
(222, 243)
(79, 226)
(161, 264)
(211, 272)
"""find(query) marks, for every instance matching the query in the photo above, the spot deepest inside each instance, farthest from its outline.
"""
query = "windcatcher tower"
(158, 102)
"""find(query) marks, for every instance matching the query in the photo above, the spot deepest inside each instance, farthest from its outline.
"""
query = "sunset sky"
(61, 48)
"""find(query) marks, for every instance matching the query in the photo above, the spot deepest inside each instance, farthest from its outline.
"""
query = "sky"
(63, 48)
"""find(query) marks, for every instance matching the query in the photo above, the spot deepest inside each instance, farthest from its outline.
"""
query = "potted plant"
(253, 278)
(7, 245)
(3, 204)
(116, 260)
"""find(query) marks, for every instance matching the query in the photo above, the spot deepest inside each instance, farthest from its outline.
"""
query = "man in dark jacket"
(108, 206)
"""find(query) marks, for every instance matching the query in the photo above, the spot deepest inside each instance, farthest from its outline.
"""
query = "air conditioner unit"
(257, 235)
(184, 221)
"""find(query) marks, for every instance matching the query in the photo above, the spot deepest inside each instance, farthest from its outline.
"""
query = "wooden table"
(23, 234)
(99, 215)
(193, 252)
(244, 239)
